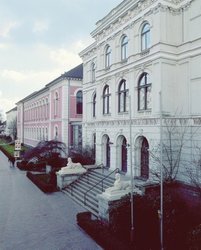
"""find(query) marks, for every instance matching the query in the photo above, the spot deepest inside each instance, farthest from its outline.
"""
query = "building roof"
(76, 72)
(11, 110)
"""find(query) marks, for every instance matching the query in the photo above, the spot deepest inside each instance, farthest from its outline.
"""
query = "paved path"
(32, 220)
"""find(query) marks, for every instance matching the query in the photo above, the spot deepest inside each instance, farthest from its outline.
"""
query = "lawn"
(9, 148)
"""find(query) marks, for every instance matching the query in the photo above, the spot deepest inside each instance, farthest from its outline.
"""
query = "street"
(30, 219)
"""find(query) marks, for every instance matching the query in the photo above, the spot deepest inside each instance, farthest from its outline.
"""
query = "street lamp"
(161, 176)
(132, 180)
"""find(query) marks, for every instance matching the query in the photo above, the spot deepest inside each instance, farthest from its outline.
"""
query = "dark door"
(108, 153)
(124, 156)
(145, 159)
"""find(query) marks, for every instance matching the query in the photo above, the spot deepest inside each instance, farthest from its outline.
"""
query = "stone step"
(99, 178)
(85, 189)
(93, 184)
(102, 175)
(93, 208)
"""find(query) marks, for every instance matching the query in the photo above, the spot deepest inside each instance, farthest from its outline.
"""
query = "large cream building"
(144, 51)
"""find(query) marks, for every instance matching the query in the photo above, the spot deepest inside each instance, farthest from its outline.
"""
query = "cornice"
(131, 9)
(126, 15)
(116, 123)
(152, 121)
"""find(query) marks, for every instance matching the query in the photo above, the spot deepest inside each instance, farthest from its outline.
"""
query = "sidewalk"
(32, 220)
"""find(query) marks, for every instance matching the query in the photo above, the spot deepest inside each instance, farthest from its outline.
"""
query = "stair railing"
(70, 186)
(101, 181)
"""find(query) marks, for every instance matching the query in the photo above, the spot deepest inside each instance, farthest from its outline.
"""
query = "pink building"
(53, 112)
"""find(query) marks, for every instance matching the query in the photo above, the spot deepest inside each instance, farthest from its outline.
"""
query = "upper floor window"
(79, 102)
(56, 133)
(46, 109)
(108, 53)
(56, 103)
(124, 48)
(145, 37)
(106, 100)
(122, 96)
(94, 105)
(144, 92)
(93, 72)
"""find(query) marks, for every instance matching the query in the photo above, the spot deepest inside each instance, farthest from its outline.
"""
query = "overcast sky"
(41, 39)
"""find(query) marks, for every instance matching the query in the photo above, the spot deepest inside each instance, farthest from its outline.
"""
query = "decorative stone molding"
(68, 174)
(63, 180)
(114, 123)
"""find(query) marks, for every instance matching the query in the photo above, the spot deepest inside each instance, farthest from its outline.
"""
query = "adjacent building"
(53, 112)
(142, 72)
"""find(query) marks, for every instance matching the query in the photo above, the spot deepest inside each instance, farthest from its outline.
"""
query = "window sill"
(109, 114)
(145, 52)
(107, 68)
(123, 61)
(148, 111)
(123, 113)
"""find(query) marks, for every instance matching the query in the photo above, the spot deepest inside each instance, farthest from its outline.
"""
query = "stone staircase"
(85, 189)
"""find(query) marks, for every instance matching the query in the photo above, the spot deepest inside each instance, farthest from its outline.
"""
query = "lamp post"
(131, 166)
(161, 175)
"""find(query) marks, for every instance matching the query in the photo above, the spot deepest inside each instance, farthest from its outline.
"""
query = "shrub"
(45, 182)
(179, 218)
(84, 156)
(195, 238)
(100, 232)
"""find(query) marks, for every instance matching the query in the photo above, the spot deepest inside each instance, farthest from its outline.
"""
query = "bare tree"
(177, 136)
(194, 169)
(1, 122)
(13, 128)
(1, 117)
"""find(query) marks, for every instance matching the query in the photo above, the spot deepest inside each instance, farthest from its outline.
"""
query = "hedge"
(100, 232)
(7, 154)
(41, 184)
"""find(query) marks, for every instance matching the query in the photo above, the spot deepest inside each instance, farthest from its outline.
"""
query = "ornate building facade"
(54, 112)
(144, 65)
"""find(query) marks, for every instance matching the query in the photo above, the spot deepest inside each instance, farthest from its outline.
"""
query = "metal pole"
(161, 176)
(132, 180)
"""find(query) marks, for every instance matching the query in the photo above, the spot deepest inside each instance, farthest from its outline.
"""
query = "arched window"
(56, 133)
(56, 103)
(144, 92)
(46, 134)
(106, 100)
(122, 96)
(94, 105)
(93, 72)
(108, 53)
(145, 37)
(94, 146)
(79, 102)
(124, 48)
(46, 109)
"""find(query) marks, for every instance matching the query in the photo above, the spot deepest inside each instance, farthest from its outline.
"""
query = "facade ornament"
(71, 166)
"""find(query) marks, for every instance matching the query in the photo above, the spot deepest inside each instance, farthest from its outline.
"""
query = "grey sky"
(41, 39)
